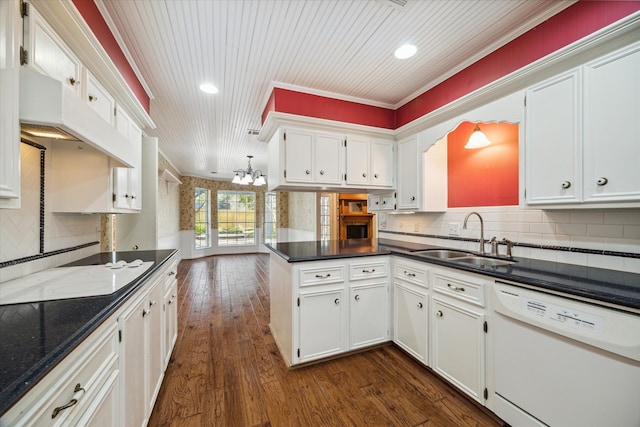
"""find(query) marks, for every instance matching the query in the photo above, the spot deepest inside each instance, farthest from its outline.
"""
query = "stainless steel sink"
(478, 260)
(443, 253)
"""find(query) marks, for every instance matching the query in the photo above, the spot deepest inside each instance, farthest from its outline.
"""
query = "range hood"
(47, 107)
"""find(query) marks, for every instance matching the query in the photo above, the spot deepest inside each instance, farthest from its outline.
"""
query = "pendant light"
(477, 139)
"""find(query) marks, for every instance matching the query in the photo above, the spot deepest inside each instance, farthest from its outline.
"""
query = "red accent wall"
(96, 22)
(484, 176)
(305, 104)
(568, 26)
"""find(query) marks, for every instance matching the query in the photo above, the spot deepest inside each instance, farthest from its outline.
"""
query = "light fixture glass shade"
(477, 139)
(259, 181)
(236, 179)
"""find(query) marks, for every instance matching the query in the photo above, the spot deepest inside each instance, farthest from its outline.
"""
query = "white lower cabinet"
(368, 314)
(170, 313)
(142, 364)
(83, 386)
(458, 331)
(411, 307)
(322, 319)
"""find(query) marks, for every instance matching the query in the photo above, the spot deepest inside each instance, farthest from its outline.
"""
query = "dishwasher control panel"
(568, 317)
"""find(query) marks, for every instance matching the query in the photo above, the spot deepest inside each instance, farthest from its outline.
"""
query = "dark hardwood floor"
(226, 369)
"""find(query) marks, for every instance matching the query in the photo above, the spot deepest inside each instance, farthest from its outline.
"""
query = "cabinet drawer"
(369, 270)
(80, 378)
(460, 288)
(321, 275)
(411, 272)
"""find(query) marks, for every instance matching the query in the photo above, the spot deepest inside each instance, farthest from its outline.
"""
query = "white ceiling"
(340, 47)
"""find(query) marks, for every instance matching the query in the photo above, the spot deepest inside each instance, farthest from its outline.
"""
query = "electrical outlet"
(454, 228)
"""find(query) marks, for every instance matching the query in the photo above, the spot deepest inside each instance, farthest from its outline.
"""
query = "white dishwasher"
(562, 363)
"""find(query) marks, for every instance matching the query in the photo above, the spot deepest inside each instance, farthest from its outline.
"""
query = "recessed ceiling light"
(405, 51)
(208, 88)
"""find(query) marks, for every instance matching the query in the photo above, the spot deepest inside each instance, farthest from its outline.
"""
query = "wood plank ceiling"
(341, 47)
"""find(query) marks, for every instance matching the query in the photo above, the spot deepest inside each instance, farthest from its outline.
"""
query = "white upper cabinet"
(553, 140)
(298, 147)
(328, 153)
(98, 98)
(612, 127)
(127, 184)
(369, 162)
(409, 186)
(582, 133)
(49, 54)
(10, 30)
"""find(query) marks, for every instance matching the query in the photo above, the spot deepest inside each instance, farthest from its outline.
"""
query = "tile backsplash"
(547, 235)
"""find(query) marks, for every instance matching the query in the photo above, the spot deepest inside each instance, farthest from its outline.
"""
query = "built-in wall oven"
(562, 362)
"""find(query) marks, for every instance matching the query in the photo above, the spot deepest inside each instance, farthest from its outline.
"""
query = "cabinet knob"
(357, 297)
(152, 303)
(375, 175)
(336, 301)
(321, 172)
(73, 81)
(420, 305)
(602, 181)
(413, 198)
(566, 184)
(308, 172)
(364, 175)
(145, 312)
(439, 313)
(93, 98)
(171, 273)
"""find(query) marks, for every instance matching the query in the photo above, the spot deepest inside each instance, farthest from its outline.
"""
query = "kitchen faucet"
(464, 226)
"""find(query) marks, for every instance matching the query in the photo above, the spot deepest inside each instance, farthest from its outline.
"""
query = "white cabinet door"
(458, 343)
(322, 323)
(10, 36)
(327, 163)
(299, 150)
(99, 99)
(127, 183)
(133, 364)
(410, 324)
(612, 127)
(408, 179)
(369, 314)
(381, 163)
(49, 55)
(154, 335)
(170, 320)
(358, 154)
(553, 140)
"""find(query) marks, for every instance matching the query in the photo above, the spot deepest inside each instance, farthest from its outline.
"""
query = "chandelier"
(248, 176)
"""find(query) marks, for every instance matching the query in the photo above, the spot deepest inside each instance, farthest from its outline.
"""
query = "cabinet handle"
(72, 402)
(145, 312)
(409, 274)
(413, 198)
(364, 175)
(602, 181)
(455, 288)
(308, 172)
(373, 270)
(323, 276)
(171, 273)
(420, 305)
(73, 81)
(93, 98)
(439, 313)
(375, 175)
(336, 301)
(566, 184)
(357, 297)
(321, 172)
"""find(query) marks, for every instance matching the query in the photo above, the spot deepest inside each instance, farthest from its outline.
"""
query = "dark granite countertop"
(35, 337)
(610, 287)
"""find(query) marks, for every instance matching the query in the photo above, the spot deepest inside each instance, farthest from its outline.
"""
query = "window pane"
(236, 218)
(270, 222)
(325, 218)
(201, 219)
